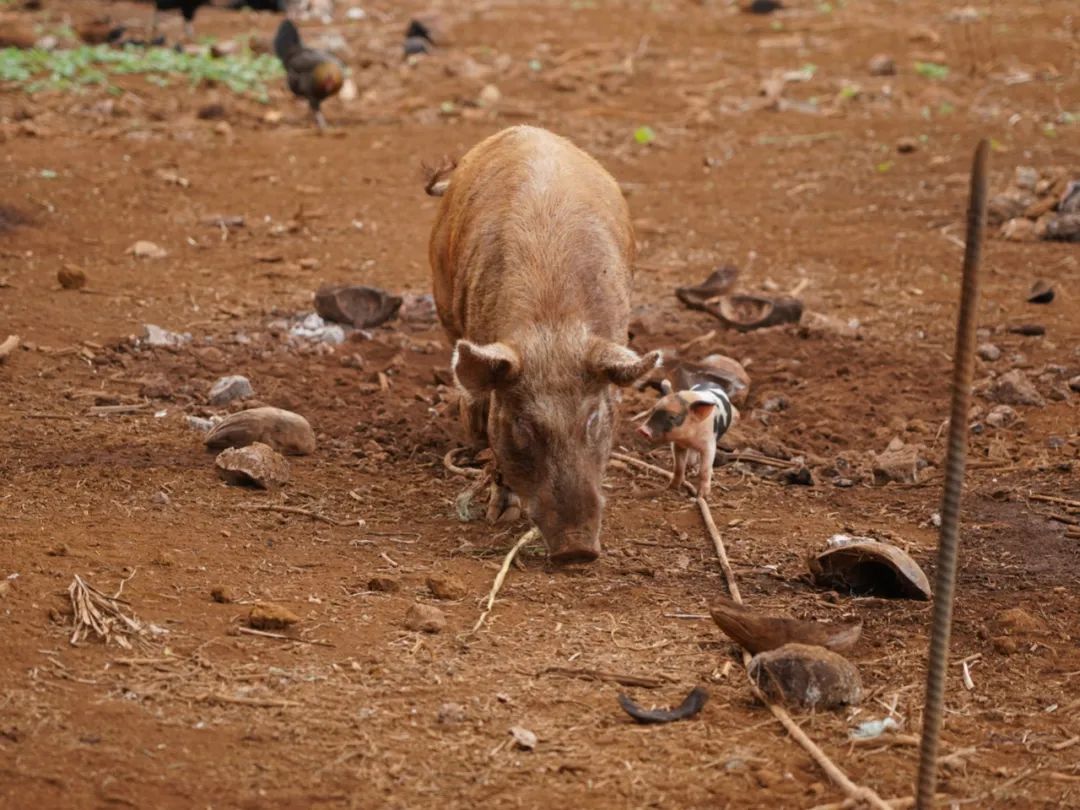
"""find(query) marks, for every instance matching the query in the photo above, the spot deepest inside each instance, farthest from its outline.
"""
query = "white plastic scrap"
(872, 729)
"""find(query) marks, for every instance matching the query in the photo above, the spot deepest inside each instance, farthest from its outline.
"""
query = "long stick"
(857, 793)
(529, 536)
(963, 368)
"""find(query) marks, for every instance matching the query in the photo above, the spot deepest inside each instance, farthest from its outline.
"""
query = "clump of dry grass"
(95, 613)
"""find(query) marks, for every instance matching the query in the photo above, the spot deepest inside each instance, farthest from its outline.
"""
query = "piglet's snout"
(645, 430)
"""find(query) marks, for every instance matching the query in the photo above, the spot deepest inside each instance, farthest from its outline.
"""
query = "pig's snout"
(644, 430)
(574, 547)
(569, 519)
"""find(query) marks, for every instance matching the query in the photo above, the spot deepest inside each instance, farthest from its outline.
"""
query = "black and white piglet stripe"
(723, 414)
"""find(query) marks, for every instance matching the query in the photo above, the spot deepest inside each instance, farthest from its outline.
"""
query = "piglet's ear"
(702, 410)
(482, 369)
(618, 364)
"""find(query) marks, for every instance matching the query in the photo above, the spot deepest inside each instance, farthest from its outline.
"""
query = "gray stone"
(230, 388)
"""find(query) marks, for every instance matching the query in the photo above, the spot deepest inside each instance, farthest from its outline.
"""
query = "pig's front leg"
(680, 453)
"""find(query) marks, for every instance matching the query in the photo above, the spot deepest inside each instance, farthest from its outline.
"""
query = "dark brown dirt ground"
(362, 717)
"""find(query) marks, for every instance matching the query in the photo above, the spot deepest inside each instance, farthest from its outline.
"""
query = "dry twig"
(602, 675)
(500, 577)
(102, 615)
(296, 510)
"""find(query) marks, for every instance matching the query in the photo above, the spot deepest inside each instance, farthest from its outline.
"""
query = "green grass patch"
(87, 66)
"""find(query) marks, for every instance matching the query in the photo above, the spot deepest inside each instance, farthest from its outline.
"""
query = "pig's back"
(531, 230)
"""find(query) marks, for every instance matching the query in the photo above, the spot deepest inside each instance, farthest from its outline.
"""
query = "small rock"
(1001, 416)
(222, 594)
(5, 587)
(71, 277)
(383, 584)
(900, 464)
(1014, 388)
(1008, 205)
(1074, 384)
(156, 337)
(451, 714)
(446, 586)
(489, 96)
(155, 387)
(160, 499)
(313, 327)
(818, 323)
(1063, 227)
(523, 738)
(425, 619)
(227, 389)
(806, 676)
(766, 777)
(882, 65)
(257, 464)
(418, 310)
(211, 112)
(1005, 645)
(1019, 230)
(988, 352)
(1018, 622)
(268, 616)
(199, 424)
(1025, 177)
(147, 250)
(285, 431)
(907, 145)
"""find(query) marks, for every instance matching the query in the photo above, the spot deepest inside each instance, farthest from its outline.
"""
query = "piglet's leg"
(707, 456)
(680, 454)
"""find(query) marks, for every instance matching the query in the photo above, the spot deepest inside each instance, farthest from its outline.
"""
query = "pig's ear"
(618, 364)
(702, 410)
(481, 369)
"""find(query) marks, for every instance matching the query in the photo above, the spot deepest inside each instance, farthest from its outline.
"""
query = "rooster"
(187, 9)
(314, 75)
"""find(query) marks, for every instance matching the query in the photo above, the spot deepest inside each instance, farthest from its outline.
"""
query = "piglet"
(692, 420)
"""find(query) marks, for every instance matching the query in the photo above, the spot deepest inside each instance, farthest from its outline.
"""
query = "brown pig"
(531, 257)
(692, 420)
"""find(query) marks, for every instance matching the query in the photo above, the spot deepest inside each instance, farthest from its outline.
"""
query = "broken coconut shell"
(719, 282)
(870, 568)
(358, 306)
(257, 465)
(691, 705)
(1041, 293)
(755, 632)
(748, 312)
(285, 431)
(806, 676)
(719, 370)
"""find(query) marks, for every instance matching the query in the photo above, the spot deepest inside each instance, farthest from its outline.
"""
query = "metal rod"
(963, 366)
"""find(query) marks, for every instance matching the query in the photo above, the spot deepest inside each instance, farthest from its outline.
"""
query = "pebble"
(71, 278)
(313, 327)
(1001, 416)
(383, 584)
(907, 145)
(230, 388)
(156, 337)
(1019, 230)
(268, 616)
(1074, 383)
(257, 464)
(1025, 177)
(147, 250)
(160, 499)
(1014, 388)
(222, 594)
(446, 586)
(199, 424)
(988, 352)
(451, 713)
(425, 619)
(882, 65)
(523, 738)
(489, 96)
(898, 463)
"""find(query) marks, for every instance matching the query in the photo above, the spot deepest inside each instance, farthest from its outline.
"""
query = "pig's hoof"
(504, 506)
